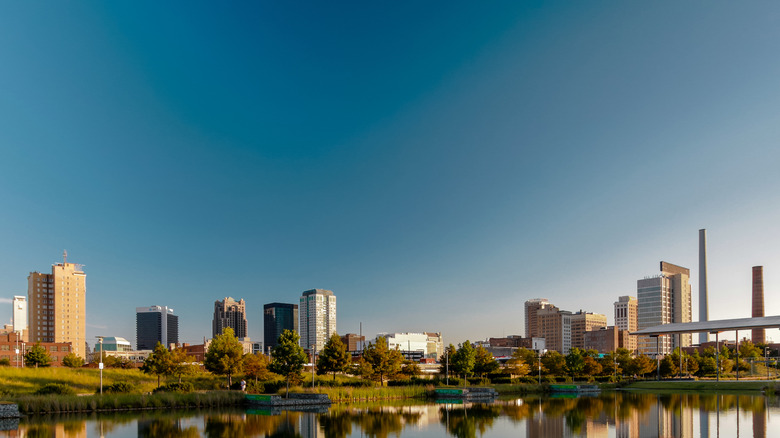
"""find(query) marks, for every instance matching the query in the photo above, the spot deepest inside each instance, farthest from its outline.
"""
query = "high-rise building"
(664, 299)
(554, 326)
(317, 313)
(20, 316)
(155, 324)
(278, 317)
(531, 306)
(57, 304)
(229, 313)
(758, 335)
(627, 319)
(582, 322)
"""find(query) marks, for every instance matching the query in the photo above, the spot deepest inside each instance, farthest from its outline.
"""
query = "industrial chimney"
(758, 335)
(703, 313)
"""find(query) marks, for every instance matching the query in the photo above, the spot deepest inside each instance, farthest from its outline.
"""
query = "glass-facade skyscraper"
(155, 324)
(278, 317)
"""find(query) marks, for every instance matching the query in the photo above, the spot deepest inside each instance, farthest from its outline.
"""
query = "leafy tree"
(610, 365)
(181, 364)
(71, 360)
(554, 363)
(158, 363)
(575, 362)
(287, 358)
(384, 362)
(529, 356)
(708, 352)
(445, 361)
(464, 359)
(37, 356)
(517, 365)
(641, 365)
(669, 366)
(707, 366)
(334, 357)
(592, 367)
(225, 355)
(725, 353)
(484, 362)
(748, 349)
(411, 369)
(256, 366)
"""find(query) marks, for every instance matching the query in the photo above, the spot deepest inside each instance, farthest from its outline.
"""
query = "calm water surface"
(617, 414)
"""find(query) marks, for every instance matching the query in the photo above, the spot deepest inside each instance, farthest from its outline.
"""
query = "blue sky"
(435, 165)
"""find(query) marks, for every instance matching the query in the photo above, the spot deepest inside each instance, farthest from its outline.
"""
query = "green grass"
(342, 394)
(32, 404)
(20, 381)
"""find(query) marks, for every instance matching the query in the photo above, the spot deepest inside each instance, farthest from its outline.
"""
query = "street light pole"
(100, 365)
(312, 366)
(17, 349)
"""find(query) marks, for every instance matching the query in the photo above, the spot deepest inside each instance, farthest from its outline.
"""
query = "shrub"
(118, 388)
(5, 362)
(255, 388)
(55, 388)
(176, 387)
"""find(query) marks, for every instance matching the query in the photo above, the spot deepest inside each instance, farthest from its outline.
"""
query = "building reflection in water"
(618, 414)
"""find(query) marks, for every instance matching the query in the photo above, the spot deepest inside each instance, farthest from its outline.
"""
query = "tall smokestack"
(758, 335)
(703, 313)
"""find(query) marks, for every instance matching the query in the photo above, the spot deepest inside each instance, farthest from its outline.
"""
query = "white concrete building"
(317, 318)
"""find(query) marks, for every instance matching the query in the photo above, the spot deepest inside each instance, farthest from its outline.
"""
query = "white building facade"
(317, 318)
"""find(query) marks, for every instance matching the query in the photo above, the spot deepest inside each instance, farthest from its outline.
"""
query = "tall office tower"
(317, 312)
(155, 324)
(57, 303)
(664, 299)
(582, 322)
(278, 317)
(531, 306)
(554, 325)
(758, 335)
(703, 306)
(229, 313)
(20, 316)
(627, 319)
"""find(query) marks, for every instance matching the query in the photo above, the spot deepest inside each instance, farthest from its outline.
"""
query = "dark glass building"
(155, 324)
(278, 317)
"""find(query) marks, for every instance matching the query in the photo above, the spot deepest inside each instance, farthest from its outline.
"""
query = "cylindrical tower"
(758, 302)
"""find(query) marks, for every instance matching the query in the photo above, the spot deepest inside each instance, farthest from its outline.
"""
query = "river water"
(611, 414)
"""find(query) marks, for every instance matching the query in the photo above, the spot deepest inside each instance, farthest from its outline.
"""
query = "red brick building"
(11, 341)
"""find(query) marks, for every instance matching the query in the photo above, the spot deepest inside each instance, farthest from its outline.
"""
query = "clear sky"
(435, 164)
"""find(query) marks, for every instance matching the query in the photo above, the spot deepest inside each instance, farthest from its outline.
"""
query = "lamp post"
(766, 361)
(100, 364)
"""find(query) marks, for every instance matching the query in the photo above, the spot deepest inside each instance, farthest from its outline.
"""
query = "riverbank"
(705, 385)
(45, 404)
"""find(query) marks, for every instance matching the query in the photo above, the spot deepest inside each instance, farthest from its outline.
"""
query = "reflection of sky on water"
(613, 415)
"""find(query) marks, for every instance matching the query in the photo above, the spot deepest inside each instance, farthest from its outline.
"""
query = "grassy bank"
(40, 404)
(20, 381)
(703, 385)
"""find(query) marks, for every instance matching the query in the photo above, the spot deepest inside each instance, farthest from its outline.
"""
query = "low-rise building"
(10, 342)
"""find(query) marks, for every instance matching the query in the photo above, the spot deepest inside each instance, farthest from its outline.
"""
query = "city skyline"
(435, 167)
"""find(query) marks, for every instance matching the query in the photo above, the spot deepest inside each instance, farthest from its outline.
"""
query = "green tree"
(181, 364)
(256, 366)
(610, 365)
(445, 361)
(71, 360)
(554, 363)
(484, 362)
(464, 359)
(37, 356)
(707, 366)
(158, 363)
(575, 362)
(410, 369)
(334, 357)
(641, 365)
(287, 358)
(747, 349)
(669, 366)
(384, 362)
(225, 355)
(517, 365)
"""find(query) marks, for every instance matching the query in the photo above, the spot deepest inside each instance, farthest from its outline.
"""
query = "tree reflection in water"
(466, 420)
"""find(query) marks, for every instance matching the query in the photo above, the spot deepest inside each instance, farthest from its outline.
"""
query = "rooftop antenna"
(64, 256)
